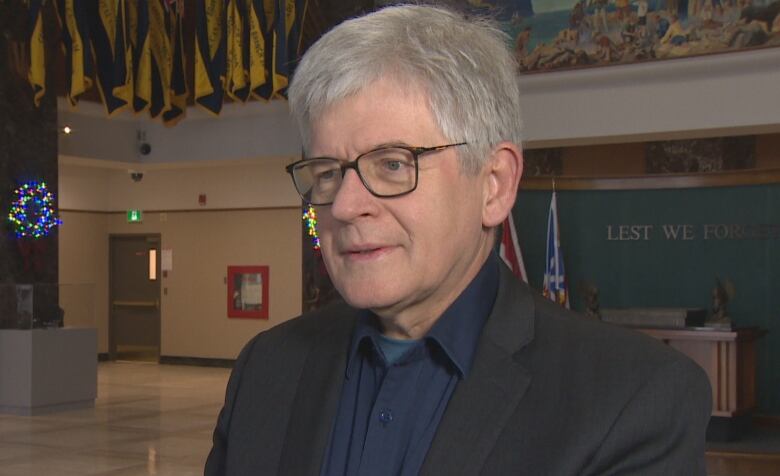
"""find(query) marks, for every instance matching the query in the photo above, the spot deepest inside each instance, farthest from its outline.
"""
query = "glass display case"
(46, 305)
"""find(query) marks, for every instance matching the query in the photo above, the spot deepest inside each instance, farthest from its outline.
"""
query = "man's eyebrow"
(382, 145)
(385, 145)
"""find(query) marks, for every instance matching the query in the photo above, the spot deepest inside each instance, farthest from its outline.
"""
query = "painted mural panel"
(561, 34)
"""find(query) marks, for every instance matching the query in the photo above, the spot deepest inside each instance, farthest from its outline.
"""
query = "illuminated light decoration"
(32, 211)
(310, 217)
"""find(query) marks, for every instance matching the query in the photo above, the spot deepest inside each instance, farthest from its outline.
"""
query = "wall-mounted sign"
(135, 216)
(687, 232)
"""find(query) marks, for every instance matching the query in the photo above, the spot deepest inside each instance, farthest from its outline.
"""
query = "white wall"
(242, 131)
(721, 94)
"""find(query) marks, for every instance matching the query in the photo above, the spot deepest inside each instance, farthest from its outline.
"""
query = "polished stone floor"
(148, 419)
(152, 419)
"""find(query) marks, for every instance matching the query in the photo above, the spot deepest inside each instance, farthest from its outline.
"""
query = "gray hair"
(463, 65)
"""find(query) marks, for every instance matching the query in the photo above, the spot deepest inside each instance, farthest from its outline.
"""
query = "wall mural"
(715, 154)
(560, 34)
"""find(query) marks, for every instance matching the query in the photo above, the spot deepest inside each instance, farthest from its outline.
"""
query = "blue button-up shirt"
(395, 392)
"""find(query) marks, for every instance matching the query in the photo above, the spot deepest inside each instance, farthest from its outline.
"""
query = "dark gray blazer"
(550, 393)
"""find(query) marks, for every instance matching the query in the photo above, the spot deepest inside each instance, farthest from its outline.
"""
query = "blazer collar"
(483, 402)
(317, 396)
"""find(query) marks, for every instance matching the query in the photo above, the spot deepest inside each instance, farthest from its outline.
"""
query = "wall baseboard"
(197, 361)
(766, 420)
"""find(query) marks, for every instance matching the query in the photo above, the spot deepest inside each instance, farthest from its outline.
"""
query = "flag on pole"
(260, 50)
(210, 54)
(124, 76)
(140, 40)
(554, 277)
(509, 249)
(178, 85)
(37, 74)
(75, 39)
(105, 31)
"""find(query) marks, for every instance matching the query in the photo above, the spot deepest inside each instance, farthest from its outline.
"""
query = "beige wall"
(203, 242)
(101, 185)
(83, 262)
(193, 308)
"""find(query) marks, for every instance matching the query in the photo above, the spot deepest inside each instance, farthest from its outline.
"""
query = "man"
(440, 362)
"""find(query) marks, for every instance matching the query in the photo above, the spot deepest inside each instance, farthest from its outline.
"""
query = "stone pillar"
(28, 151)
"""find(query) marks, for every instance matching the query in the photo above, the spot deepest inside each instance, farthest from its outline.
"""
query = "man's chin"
(367, 299)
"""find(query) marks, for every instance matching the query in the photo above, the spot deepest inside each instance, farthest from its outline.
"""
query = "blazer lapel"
(483, 402)
(316, 401)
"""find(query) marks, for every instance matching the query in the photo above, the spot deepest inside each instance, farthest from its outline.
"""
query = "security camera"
(137, 176)
(144, 148)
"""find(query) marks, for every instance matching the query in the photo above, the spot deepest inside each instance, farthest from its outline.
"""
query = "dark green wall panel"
(669, 272)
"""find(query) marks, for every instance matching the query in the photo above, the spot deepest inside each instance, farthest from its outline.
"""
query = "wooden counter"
(728, 358)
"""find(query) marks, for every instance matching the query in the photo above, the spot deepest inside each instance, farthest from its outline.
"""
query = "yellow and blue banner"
(288, 21)
(260, 48)
(161, 58)
(37, 74)
(75, 39)
(210, 54)
(237, 37)
(177, 85)
(106, 25)
(138, 32)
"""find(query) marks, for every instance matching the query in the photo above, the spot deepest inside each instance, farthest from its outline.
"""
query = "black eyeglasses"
(385, 172)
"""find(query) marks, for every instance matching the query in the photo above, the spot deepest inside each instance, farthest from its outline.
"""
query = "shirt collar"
(458, 329)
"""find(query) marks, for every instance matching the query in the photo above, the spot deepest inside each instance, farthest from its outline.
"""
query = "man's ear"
(502, 175)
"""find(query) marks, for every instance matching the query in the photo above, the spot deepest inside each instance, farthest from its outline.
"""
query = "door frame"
(157, 237)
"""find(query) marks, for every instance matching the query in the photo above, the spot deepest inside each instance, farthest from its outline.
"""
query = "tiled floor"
(148, 419)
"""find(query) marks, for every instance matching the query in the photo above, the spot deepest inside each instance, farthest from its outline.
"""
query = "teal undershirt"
(394, 349)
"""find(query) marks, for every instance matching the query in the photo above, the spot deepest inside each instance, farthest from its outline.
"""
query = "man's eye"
(325, 174)
(392, 165)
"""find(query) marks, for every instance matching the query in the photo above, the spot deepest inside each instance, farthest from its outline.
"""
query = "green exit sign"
(135, 216)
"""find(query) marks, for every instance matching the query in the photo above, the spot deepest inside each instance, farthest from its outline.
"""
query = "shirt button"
(386, 416)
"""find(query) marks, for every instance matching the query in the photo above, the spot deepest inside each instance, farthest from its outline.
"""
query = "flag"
(280, 73)
(288, 21)
(260, 44)
(104, 18)
(554, 277)
(261, 60)
(138, 32)
(294, 33)
(210, 54)
(124, 78)
(75, 39)
(237, 37)
(509, 249)
(161, 56)
(178, 85)
(37, 74)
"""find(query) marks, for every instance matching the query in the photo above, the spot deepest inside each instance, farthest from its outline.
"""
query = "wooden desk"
(728, 357)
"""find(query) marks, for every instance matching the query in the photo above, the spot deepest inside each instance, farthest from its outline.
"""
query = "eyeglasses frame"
(345, 165)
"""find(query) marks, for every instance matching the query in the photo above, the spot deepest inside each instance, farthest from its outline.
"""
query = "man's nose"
(352, 199)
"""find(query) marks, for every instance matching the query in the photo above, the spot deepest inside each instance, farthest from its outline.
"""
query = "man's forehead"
(387, 113)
